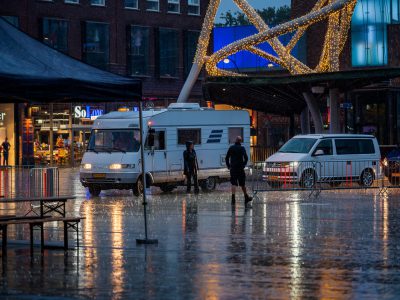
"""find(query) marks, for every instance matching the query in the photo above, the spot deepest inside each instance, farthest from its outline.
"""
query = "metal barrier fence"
(28, 181)
(315, 176)
(261, 153)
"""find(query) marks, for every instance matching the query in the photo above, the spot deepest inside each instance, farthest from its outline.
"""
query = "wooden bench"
(70, 222)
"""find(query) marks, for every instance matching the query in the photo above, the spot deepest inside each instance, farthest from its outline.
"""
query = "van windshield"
(301, 145)
(114, 140)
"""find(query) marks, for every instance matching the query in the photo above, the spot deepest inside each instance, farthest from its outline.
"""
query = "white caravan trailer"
(112, 160)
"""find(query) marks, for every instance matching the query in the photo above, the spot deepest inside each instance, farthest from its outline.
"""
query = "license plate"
(99, 175)
(395, 174)
(273, 178)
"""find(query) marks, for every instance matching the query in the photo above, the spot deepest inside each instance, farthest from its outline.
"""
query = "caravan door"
(157, 155)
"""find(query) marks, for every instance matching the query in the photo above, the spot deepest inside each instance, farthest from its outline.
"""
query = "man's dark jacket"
(236, 158)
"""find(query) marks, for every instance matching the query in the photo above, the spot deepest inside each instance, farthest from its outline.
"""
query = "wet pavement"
(341, 245)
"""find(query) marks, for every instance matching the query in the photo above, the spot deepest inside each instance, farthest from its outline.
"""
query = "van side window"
(326, 146)
(354, 146)
(158, 140)
(234, 132)
(185, 135)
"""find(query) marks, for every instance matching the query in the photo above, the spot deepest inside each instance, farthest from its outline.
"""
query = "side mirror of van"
(319, 152)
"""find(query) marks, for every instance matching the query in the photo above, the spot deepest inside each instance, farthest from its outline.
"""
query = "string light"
(337, 12)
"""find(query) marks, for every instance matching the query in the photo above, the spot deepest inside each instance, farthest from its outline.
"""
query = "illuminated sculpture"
(338, 13)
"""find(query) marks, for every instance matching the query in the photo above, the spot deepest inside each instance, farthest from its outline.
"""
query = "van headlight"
(294, 164)
(385, 162)
(86, 166)
(120, 166)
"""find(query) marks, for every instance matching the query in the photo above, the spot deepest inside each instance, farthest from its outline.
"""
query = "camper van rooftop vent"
(192, 106)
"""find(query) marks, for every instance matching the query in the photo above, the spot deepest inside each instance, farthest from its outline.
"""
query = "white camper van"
(112, 160)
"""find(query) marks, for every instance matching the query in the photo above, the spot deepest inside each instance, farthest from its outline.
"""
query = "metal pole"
(145, 240)
(51, 135)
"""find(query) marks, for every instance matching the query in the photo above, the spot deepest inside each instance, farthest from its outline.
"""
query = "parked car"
(325, 158)
(391, 166)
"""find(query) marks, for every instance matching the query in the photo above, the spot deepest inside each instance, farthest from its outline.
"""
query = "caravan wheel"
(138, 187)
(94, 191)
(209, 184)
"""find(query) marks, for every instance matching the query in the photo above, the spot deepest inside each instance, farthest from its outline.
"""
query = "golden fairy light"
(338, 14)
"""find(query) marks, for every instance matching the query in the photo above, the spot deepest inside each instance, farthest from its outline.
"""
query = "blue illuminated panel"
(369, 31)
(247, 61)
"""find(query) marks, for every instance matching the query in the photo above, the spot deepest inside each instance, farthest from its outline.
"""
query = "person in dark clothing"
(236, 160)
(6, 150)
(191, 167)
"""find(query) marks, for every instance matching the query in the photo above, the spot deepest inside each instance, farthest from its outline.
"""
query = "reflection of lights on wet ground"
(385, 227)
(118, 271)
(295, 244)
(91, 249)
(264, 218)
(184, 216)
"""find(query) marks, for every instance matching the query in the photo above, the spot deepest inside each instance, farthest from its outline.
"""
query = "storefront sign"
(2, 116)
(87, 112)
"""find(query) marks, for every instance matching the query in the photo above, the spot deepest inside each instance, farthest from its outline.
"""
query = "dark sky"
(229, 5)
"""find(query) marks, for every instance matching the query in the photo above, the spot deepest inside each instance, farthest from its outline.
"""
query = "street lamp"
(230, 60)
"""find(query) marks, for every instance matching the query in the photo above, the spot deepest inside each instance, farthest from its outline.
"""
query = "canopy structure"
(283, 94)
(32, 71)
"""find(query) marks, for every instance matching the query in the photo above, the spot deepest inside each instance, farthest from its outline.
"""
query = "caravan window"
(193, 135)
(234, 132)
(158, 140)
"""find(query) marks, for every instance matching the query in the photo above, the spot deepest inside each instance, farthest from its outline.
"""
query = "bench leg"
(65, 235)
(4, 240)
(41, 238)
(31, 236)
(77, 236)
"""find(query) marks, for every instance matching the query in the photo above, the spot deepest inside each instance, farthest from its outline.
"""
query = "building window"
(186, 135)
(168, 52)
(55, 34)
(96, 45)
(98, 2)
(139, 50)
(191, 39)
(72, 1)
(174, 6)
(153, 5)
(369, 33)
(132, 4)
(13, 20)
(194, 7)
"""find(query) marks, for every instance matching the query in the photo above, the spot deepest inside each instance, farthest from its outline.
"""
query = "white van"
(112, 160)
(329, 158)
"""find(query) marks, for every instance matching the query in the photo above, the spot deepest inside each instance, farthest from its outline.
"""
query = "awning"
(32, 71)
(282, 94)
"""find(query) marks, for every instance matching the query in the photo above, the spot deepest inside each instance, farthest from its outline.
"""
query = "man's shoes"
(233, 201)
(247, 199)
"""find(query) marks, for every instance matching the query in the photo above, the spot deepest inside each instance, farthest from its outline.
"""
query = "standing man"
(6, 149)
(191, 167)
(236, 160)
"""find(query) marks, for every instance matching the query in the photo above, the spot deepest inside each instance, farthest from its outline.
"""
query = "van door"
(157, 155)
(322, 155)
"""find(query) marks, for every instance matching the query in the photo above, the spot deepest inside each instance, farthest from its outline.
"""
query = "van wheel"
(308, 179)
(209, 184)
(367, 178)
(138, 187)
(94, 191)
(166, 188)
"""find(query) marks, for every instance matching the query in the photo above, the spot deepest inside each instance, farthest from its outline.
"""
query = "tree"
(271, 16)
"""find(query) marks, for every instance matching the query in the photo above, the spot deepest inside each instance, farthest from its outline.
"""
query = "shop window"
(153, 5)
(194, 7)
(191, 39)
(168, 52)
(96, 46)
(185, 135)
(98, 2)
(139, 52)
(13, 20)
(174, 6)
(55, 34)
(132, 4)
(233, 133)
